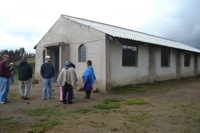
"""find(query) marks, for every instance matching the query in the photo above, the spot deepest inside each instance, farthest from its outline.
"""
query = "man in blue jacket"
(47, 72)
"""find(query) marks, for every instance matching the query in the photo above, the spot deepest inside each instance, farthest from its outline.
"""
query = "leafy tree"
(15, 54)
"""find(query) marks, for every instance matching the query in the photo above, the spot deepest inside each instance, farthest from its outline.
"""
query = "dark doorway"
(56, 62)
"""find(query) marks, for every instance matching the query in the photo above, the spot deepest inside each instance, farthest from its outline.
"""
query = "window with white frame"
(129, 55)
(82, 53)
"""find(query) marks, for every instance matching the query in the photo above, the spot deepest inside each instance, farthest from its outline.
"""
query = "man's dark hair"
(89, 62)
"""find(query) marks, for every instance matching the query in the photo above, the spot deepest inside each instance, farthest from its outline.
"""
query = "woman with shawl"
(88, 78)
(67, 79)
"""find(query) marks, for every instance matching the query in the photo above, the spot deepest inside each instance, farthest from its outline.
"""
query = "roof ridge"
(118, 27)
(117, 31)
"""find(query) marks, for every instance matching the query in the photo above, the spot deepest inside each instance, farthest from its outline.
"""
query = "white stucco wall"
(75, 34)
(122, 75)
(107, 58)
(168, 72)
(187, 71)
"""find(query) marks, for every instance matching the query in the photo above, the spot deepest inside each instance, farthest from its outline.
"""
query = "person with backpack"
(25, 78)
(4, 79)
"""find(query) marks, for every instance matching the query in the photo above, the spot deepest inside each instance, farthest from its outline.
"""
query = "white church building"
(120, 56)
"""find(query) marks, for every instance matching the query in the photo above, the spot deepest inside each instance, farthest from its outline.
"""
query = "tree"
(22, 51)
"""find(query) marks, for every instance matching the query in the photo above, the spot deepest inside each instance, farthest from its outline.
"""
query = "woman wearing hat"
(67, 79)
(61, 88)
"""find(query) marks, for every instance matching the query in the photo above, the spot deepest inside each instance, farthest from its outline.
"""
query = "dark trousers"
(88, 93)
(67, 91)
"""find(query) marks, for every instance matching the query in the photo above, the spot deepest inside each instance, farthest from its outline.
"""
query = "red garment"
(4, 70)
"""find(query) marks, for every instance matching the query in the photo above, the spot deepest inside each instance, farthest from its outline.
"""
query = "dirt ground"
(175, 108)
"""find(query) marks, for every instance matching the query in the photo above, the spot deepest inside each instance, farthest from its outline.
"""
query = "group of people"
(66, 79)
(6, 76)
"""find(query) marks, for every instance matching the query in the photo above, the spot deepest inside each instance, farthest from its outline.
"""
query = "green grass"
(81, 110)
(111, 100)
(192, 113)
(97, 124)
(6, 122)
(43, 125)
(124, 90)
(115, 103)
(134, 102)
(139, 116)
(108, 104)
(13, 96)
(148, 87)
(40, 111)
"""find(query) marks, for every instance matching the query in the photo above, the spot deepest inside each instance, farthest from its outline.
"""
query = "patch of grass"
(111, 100)
(109, 105)
(134, 102)
(40, 111)
(114, 129)
(6, 122)
(43, 125)
(81, 110)
(124, 90)
(97, 124)
(149, 86)
(192, 114)
(139, 116)
(13, 96)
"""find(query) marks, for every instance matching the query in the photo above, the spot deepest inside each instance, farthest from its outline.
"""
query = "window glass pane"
(82, 53)
(129, 55)
(165, 56)
(187, 60)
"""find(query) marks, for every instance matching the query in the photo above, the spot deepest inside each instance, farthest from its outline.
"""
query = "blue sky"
(24, 22)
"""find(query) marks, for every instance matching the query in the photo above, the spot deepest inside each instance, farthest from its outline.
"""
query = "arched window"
(82, 53)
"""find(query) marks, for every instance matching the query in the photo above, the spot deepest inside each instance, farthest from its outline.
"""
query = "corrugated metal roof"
(132, 35)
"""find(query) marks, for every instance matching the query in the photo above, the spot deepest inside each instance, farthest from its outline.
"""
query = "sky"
(24, 22)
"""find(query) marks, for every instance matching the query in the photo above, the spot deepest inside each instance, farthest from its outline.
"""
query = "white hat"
(47, 57)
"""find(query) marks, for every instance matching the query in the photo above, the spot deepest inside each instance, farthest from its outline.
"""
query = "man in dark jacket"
(4, 79)
(47, 72)
(25, 78)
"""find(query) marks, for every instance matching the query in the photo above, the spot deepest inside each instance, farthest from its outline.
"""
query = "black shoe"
(25, 98)
(70, 102)
(22, 97)
(87, 97)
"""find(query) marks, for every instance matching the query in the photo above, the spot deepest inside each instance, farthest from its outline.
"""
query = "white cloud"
(24, 22)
